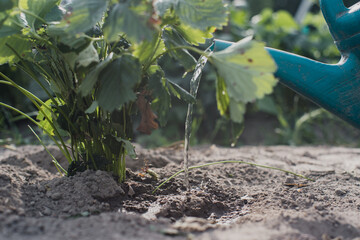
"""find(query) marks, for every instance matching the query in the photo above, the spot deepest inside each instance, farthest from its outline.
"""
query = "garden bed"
(225, 201)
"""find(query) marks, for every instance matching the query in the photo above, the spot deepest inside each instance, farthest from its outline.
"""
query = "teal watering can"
(335, 87)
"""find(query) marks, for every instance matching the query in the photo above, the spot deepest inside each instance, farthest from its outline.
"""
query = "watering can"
(335, 87)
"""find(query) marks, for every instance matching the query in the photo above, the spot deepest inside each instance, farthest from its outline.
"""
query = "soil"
(227, 201)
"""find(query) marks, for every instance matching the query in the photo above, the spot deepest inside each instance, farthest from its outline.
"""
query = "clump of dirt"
(225, 201)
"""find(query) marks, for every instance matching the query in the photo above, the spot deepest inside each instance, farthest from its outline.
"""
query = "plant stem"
(231, 161)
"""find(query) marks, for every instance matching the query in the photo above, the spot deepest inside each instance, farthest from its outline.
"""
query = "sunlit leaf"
(20, 45)
(247, 69)
(80, 17)
(126, 19)
(180, 93)
(222, 97)
(48, 115)
(173, 40)
(117, 81)
(148, 50)
(199, 14)
(38, 8)
(193, 35)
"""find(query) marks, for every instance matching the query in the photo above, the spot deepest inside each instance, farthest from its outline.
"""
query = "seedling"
(99, 59)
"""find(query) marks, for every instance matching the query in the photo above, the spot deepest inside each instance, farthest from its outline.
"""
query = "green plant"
(100, 61)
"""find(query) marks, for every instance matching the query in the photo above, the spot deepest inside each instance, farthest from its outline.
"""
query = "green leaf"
(8, 31)
(92, 107)
(199, 14)
(173, 40)
(117, 81)
(6, 5)
(129, 148)
(132, 21)
(92, 77)
(193, 35)
(80, 17)
(237, 111)
(268, 105)
(180, 93)
(161, 6)
(37, 7)
(54, 15)
(247, 69)
(284, 20)
(75, 43)
(147, 51)
(48, 115)
(202, 14)
(160, 92)
(21, 45)
(86, 57)
(222, 97)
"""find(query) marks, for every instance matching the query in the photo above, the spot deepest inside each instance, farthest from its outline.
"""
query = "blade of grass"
(60, 169)
(231, 161)
(36, 123)
(35, 100)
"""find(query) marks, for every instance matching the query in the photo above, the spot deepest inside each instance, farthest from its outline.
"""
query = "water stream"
(194, 86)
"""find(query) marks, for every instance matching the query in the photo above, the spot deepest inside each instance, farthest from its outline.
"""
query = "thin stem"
(60, 169)
(34, 100)
(37, 124)
(231, 161)
(33, 15)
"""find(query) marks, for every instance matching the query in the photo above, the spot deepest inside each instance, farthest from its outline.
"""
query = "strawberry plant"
(100, 61)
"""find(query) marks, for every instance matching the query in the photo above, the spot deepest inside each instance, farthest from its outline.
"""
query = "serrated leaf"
(192, 35)
(37, 7)
(126, 19)
(202, 14)
(148, 50)
(80, 17)
(92, 77)
(173, 40)
(21, 45)
(162, 100)
(180, 93)
(117, 81)
(247, 69)
(161, 6)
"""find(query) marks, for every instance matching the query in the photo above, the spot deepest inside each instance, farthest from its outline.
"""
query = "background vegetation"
(282, 118)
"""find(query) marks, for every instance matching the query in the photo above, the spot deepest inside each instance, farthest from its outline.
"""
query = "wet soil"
(227, 201)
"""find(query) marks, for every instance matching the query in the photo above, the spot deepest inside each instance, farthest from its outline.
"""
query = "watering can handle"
(343, 23)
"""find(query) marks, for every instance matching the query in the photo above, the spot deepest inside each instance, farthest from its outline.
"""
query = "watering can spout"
(335, 87)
